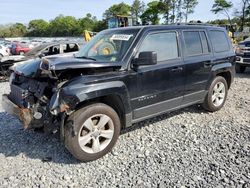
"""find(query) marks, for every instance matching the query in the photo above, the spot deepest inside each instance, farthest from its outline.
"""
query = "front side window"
(219, 41)
(192, 42)
(109, 46)
(164, 44)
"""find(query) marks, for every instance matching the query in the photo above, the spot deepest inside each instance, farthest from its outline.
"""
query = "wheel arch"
(113, 94)
(225, 70)
(113, 100)
(227, 76)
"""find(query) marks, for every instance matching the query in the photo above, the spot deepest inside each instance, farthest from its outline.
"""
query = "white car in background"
(4, 51)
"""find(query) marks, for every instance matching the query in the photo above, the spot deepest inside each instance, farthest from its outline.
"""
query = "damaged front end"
(31, 96)
(38, 95)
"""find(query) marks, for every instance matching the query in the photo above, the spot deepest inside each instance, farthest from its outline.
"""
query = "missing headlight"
(44, 64)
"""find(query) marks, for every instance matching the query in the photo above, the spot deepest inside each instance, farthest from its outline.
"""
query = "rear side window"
(219, 41)
(164, 44)
(193, 42)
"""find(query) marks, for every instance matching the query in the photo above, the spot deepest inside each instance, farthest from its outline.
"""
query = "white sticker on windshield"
(121, 37)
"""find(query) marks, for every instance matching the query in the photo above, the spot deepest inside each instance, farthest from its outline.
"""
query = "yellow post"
(86, 36)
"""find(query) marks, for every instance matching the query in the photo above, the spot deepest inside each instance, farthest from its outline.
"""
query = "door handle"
(176, 69)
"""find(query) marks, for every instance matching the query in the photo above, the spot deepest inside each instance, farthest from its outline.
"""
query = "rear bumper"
(23, 114)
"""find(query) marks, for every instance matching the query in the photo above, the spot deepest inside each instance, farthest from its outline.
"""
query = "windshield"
(108, 46)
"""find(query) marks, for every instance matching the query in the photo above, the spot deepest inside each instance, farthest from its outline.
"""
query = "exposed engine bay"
(37, 93)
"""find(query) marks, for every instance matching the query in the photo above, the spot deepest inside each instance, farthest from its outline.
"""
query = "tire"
(240, 68)
(106, 48)
(79, 129)
(217, 94)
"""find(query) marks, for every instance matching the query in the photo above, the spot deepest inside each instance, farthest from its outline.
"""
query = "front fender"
(72, 95)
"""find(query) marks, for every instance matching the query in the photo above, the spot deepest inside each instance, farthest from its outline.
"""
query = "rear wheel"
(240, 68)
(217, 95)
(92, 131)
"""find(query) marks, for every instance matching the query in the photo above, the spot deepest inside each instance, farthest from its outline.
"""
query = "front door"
(161, 86)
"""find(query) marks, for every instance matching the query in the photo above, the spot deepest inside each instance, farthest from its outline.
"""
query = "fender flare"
(221, 68)
(72, 95)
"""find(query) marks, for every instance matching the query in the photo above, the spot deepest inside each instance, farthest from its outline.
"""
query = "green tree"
(188, 7)
(179, 13)
(152, 13)
(243, 13)
(223, 7)
(169, 9)
(88, 22)
(117, 9)
(174, 9)
(38, 28)
(220, 22)
(137, 9)
(64, 26)
(164, 7)
(100, 25)
(15, 30)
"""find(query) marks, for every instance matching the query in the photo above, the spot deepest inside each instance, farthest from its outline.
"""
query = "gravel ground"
(186, 148)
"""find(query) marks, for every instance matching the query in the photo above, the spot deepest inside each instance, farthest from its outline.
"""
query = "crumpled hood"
(31, 67)
(63, 63)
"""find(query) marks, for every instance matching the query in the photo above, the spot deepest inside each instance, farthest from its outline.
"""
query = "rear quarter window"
(219, 41)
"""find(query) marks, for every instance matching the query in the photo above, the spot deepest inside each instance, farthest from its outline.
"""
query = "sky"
(12, 11)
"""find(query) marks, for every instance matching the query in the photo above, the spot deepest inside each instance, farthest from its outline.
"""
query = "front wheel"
(92, 131)
(216, 95)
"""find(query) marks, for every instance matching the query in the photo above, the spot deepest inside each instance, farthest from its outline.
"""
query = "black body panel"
(145, 91)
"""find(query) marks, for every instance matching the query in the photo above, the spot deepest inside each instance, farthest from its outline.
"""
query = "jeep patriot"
(122, 76)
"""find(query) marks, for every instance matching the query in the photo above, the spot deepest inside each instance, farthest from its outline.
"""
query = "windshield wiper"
(85, 57)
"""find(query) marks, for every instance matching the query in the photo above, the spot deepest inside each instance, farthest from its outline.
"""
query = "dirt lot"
(186, 148)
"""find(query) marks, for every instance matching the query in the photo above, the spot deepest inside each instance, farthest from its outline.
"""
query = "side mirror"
(145, 58)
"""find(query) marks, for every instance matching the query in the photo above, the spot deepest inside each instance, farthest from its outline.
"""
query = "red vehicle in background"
(19, 49)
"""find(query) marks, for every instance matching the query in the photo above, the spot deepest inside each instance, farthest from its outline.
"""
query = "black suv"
(122, 76)
(243, 56)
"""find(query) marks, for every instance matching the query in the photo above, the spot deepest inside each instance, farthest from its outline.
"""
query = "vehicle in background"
(19, 48)
(62, 48)
(113, 22)
(53, 49)
(242, 56)
(4, 51)
(120, 21)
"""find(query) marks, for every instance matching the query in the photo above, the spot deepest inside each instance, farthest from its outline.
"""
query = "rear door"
(160, 86)
(197, 58)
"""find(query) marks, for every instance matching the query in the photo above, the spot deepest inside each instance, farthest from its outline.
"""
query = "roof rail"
(195, 23)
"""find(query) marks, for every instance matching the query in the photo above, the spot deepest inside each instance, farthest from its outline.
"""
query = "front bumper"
(243, 60)
(23, 114)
